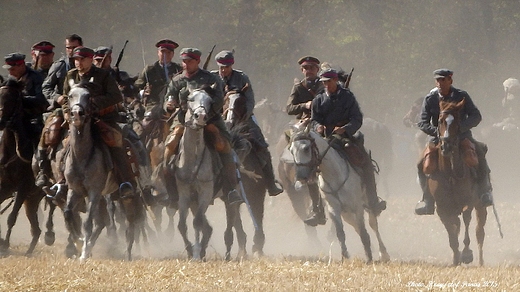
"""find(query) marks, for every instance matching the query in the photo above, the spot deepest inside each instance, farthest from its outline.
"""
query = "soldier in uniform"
(106, 99)
(428, 123)
(53, 84)
(235, 80)
(193, 77)
(34, 103)
(299, 105)
(53, 91)
(154, 79)
(335, 112)
(42, 57)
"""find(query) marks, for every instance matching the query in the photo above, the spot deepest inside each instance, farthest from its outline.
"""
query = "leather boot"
(272, 187)
(229, 171)
(317, 215)
(427, 205)
(42, 178)
(375, 204)
(172, 143)
(485, 187)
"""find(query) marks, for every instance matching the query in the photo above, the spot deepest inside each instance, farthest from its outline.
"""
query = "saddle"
(431, 156)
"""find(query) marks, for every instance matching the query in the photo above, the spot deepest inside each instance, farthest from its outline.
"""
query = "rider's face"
(83, 64)
(165, 55)
(190, 65)
(444, 84)
(310, 71)
(225, 71)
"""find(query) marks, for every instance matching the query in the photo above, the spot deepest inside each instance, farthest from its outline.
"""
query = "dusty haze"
(393, 45)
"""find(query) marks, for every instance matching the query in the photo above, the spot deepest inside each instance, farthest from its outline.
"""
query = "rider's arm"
(473, 116)
(294, 105)
(354, 116)
(425, 118)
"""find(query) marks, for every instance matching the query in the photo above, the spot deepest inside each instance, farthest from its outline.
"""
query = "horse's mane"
(451, 106)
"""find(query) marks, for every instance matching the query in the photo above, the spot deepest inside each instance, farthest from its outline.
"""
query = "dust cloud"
(392, 68)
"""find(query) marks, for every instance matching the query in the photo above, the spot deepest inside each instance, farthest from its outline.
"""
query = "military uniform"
(105, 99)
(237, 81)
(428, 123)
(301, 93)
(53, 84)
(156, 77)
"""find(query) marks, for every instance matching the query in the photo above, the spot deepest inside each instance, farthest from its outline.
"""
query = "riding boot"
(267, 169)
(375, 204)
(229, 171)
(317, 215)
(427, 205)
(484, 178)
(42, 178)
(172, 143)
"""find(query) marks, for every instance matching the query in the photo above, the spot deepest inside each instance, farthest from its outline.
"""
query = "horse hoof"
(50, 237)
(466, 256)
(71, 252)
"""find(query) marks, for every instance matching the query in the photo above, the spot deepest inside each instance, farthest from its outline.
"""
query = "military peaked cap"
(13, 59)
(83, 52)
(308, 60)
(328, 73)
(190, 53)
(43, 46)
(167, 44)
(441, 73)
(101, 51)
(225, 58)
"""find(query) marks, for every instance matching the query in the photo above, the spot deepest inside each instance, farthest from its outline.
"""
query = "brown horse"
(16, 152)
(454, 186)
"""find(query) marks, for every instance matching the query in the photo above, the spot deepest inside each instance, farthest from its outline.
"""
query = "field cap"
(441, 73)
(328, 74)
(82, 52)
(308, 60)
(190, 53)
(166, 44)
(13, 59)
(100, 52)
(43, 47)
(225, 58)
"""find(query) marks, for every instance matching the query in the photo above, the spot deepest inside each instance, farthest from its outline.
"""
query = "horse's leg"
(170, 230)
(467, 254)
(72, 222)
(32, 204)
(241, 236)
(256, 201)
(335, 215)
(99, 222)
(111, 226)
(50, 236)
(452, 225)
(157, 211)
(481, 222)
(383, 254)
(182, 226)
(88, 225)
(133, 211)
(201, 225)
(228, 233)
(357, 220)
(11, 219)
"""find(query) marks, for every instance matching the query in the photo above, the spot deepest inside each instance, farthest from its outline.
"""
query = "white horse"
(338, 183)
(194, 174)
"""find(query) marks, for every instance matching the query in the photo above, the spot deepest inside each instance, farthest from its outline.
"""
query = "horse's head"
(199, 106)
(449, 126)
(305, 153)
(235, 107)
(79, 104)
(10, 101)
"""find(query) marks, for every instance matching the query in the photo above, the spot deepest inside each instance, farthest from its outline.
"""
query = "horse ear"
(214, 86)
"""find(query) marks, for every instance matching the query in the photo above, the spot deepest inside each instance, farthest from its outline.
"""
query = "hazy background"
(393, 45)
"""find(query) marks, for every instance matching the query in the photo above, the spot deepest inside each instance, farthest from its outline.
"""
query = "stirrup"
(126, 190)
(316, 219)
(234, 197)
(274, 190)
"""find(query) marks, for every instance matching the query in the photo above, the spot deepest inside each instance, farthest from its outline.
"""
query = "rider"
(471, 117)
(154, 79)
(42, 57)
(193, 77)
(235, 80)
(299, 105)
(34, 102)
(106, 100)
(335, 112)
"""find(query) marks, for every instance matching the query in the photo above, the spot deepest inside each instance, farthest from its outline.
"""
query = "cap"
(308, 60)
(13, 59)
(441, 73)
(82, 52)
(328, 74)
(225, 58)
(190, 53)
(166, 44)
(43, 46)
(100, 52)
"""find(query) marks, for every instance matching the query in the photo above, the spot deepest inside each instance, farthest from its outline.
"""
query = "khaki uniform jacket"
(301, 93)
(104, 96)
(156, 77)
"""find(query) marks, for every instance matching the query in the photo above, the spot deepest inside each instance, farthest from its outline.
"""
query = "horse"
(339, 183)
(85, 163)
(16, 151)
(194, 174)
(251, 178)
(454, 186)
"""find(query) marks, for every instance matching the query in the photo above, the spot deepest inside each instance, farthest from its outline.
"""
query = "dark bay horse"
(16, 150)
(454, 186)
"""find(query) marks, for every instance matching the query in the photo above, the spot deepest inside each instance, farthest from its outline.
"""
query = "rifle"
(205, 67)
(121, 54)
(348, 78)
